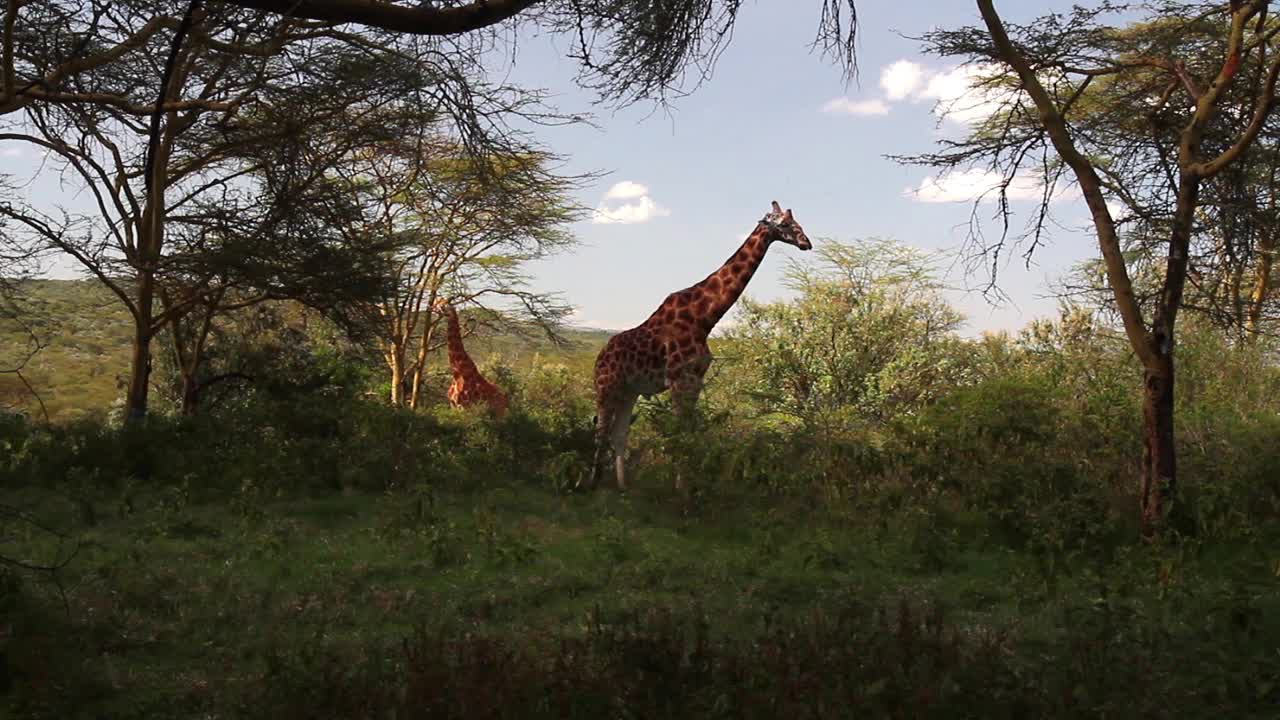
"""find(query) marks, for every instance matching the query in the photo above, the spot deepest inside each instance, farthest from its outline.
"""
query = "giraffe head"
(445, 305)
(781, 226)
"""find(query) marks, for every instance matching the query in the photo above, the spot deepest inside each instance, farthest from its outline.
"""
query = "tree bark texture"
(1159, 459)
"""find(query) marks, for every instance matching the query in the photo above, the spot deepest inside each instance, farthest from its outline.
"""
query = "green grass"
(179, 606)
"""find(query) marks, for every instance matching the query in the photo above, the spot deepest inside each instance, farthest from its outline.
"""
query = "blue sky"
(775, 122)
(758, 132)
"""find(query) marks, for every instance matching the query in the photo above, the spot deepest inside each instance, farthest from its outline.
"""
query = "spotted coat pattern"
(469, 387)
(669, 350)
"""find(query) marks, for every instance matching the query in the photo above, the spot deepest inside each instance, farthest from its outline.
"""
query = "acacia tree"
(1065, 71)
(1234, 281)
(480, 229)
(269, 237)
(140, 170)
(627, 51)
(1231, 265)
(459, 228)
(868, 336)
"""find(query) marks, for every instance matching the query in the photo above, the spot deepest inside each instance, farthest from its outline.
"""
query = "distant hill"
(83, 367)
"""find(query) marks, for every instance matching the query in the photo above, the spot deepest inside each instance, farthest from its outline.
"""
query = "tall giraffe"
(669, 350)
(469, 387)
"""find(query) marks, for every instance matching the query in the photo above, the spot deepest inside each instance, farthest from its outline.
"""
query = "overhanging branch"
(419, 20)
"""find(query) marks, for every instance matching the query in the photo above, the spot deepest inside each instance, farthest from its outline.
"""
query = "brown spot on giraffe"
(469, 387)
(669, 350)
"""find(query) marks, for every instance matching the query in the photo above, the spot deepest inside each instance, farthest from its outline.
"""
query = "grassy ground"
(179, 607)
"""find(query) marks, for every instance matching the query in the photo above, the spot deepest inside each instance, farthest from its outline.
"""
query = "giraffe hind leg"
(618, 435)
(685, 390)
(613, 425)
(603, 422)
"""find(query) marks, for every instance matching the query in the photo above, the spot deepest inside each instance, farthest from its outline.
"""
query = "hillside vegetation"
(85, 334)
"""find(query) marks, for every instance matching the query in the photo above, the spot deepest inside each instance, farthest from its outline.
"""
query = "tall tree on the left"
(115, 136)
(174, 113)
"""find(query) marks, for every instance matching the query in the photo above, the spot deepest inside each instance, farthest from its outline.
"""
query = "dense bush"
(1008, 450)
(309, 444)
(1040, 444)
(1228, 424)
(869, 333)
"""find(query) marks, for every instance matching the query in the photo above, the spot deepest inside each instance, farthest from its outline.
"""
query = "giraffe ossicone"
(469, 387)
(669, 350)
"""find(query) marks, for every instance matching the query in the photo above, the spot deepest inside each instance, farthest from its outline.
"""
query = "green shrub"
(1007, 448)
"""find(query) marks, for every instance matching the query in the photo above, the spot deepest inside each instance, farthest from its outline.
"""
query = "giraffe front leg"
(618, 436)
(685, 390)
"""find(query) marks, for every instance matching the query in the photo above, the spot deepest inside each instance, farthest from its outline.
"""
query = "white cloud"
(626, 190)
(727, 324)
(975, 183)
(960, 94)
(901, 78)
(1119, 211)
(856, 107)
(640, 208)
(576, 319)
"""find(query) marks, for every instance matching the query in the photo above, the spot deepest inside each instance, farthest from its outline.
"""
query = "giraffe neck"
(723, 287)
(459, 361)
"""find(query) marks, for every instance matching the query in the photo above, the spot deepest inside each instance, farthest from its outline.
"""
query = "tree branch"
(1090, 185)
(1262, 109)
(420, 20)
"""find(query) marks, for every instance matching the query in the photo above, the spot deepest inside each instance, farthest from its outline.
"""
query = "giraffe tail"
(596, 458)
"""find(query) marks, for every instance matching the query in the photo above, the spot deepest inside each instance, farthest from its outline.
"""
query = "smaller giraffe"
(469, 387)
(669, 350)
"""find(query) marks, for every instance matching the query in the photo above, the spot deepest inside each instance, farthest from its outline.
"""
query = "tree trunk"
(140, 364)
(1261, 285)
(190, 395)
(1159, 459)
(420, 369)
(1159, 451)
(188, 359)
(395, 361)
(151, 225)
(139, 376)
